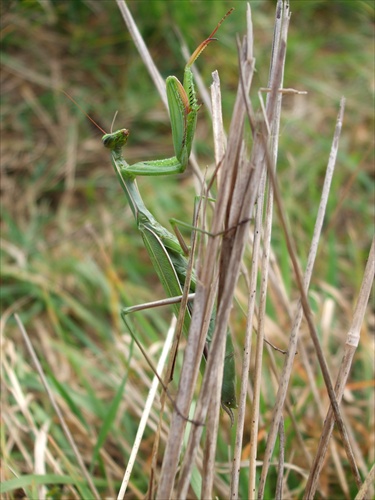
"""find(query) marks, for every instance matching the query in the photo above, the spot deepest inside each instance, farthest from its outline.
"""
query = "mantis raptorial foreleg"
(164, 249)
(183, 108)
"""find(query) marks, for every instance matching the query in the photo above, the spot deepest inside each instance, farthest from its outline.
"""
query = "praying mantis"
(164, 249)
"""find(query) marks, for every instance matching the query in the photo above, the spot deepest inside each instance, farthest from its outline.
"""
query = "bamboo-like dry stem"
(214, 409)
(236, 465)
(277, 65)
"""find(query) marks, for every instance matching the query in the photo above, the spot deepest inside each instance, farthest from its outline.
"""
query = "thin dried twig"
(284, 384)
(280, 472)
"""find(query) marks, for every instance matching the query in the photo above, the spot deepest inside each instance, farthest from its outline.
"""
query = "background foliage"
(70, 252)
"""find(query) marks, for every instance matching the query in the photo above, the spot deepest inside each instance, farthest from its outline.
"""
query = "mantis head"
(116, 139)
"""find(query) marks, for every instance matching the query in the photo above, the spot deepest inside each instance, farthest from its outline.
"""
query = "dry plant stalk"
(276, 75)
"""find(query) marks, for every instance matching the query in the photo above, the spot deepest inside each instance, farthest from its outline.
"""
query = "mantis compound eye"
(107, 140)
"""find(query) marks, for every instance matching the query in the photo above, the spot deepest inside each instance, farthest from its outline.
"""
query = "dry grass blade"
(367, 485)
(351, 345)
(65, 428)
(281, 464)
(28, 74)
(147, 410)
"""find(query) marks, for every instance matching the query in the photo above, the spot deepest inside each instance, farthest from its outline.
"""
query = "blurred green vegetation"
(71, 255)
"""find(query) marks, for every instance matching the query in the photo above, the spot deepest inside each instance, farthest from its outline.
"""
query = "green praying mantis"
(164, 249)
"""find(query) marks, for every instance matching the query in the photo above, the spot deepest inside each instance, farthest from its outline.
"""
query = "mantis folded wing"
(165, 251)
